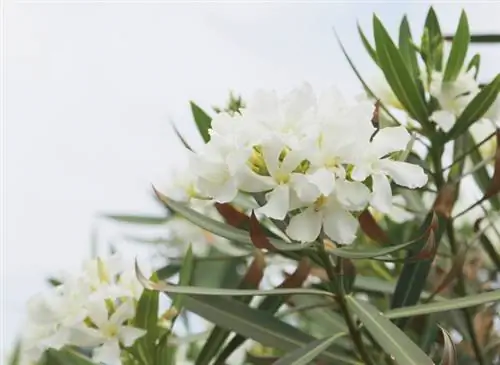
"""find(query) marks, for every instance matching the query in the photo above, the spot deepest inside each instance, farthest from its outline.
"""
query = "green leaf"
(371, 51)
(195, 290)
(407, 49)
(136, 219)
(413, 277)
(184, 276)
(67, 356)
(458, 51)
(305, 355)
(434, 39)
(475, 62)
(475, 109)
(147, 318)
(181, 138)
(488, 246)
(257, 325)
(444, 305)
(398, 75)
(480, 38)
(203, 121)
(394, 341)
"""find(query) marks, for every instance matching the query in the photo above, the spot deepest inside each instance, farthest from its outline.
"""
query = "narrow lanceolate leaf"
(398, 75)
(304, 355)
(368, 47)
(458, 51)
(258, 325)
(15, 357)
(449, 351)
(407, 48)
(435, 39)
(136, 219)
(185, 276)
(488, 246)
(412, 279)
(203, 121)
(475, 109)
(445, 305)
(480, 38)
(446, 199)
(238, 235)
(394, 341)
(176, 289)
(258, 236)
(181, 138)
(147, 318)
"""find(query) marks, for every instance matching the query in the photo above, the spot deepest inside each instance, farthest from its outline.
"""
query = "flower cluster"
(315, 159)
(93, 309)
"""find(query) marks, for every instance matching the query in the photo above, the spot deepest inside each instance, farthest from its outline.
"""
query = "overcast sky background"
(90, 88)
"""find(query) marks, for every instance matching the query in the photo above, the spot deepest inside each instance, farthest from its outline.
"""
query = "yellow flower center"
(320, 202)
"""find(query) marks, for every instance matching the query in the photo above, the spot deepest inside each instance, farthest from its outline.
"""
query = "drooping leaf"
(181, 138)
(231, 215)
(258, 325)
(398, 75)
(494, 186)
(444, 305)
(394, 341)
(475, 109)
(475, 63)
(449, 351)
(136, 219)
(304, 355)
(167, 287)
(458, 51)
(203, 121)
(445, 200)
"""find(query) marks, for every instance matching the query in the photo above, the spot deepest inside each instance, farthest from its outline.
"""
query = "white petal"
(123, 313)
(324, 180)
(83, 336)
(250, 182)
(271, 151)
(98, 312)
(444, 119)
(390, 139)
(305, 226)
(108, 353)
(305, 190)
(292, 159)
(340, 225)
(404, 173)
(382, 194)
(361, 171)
(128, 335)
(278, 203)
(352, 195)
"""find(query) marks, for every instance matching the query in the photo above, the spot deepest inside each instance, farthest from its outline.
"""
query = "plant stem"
(338, 289)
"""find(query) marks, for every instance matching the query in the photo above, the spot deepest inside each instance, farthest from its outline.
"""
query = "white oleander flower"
(298, 154)
(373, 163)
(452, 96)
(90, 309)
(111, 330)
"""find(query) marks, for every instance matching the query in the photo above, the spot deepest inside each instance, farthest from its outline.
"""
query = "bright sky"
(90, 88)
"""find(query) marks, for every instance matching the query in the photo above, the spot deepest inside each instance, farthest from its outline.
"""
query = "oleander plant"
(310, 228)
